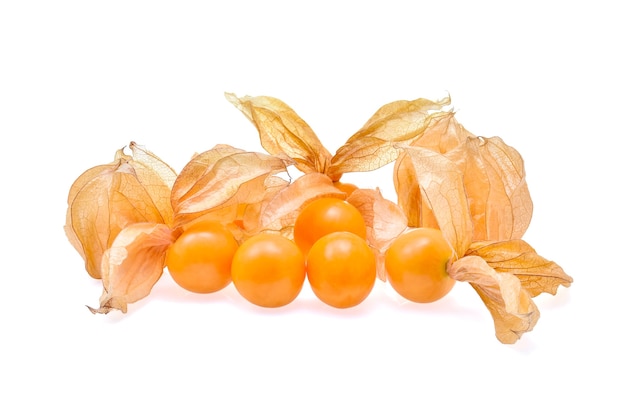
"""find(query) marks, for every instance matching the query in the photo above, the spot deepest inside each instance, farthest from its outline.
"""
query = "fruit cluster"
(329, 249)
(229, 216)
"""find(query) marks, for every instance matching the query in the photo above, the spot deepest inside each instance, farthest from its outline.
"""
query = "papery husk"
(226, 183)
(156, 175)
(511, 306)
(536, 274)
(279, 214)
(283, 132)
(509, 208)
(384, 222)
(409, 194)
(495, 184)
(443, 133)
(441, 191)
(133, 264)
(493, 179)
(474, 189)
(107, 198)
(377, 143)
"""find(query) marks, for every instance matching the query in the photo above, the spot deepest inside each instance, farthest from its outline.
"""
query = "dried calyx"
(123, 216)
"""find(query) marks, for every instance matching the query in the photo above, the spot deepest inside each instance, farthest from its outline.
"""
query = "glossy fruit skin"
(323, 216)
(200, 259)
(416, 265)
(341, 269)
(268, 270)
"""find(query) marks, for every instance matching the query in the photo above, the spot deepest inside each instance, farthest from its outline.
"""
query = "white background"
(79, 80)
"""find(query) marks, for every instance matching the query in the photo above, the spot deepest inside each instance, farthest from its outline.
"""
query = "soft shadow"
(308, 303)
(525, 345)
(459, 303)
(166, 290)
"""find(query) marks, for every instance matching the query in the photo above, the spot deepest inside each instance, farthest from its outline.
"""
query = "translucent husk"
(472, 188)
(123, 216)
(107, 198)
